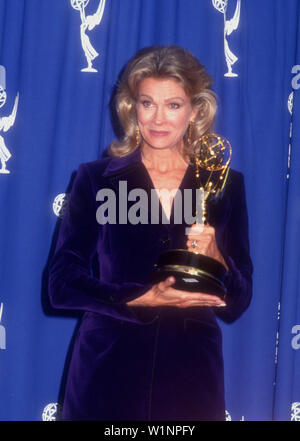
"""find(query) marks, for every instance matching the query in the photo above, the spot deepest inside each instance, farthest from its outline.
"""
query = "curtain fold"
(286, 403)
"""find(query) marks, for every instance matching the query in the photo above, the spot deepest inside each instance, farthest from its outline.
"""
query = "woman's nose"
(159, 115)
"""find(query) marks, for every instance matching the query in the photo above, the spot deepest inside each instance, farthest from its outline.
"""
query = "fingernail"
(221, 304)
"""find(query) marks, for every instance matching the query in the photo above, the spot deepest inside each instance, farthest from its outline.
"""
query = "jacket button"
(165, 241)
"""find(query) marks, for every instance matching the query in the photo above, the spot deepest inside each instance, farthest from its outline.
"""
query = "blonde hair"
(164, 62)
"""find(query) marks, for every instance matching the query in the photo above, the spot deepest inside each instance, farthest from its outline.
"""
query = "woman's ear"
(194, 114)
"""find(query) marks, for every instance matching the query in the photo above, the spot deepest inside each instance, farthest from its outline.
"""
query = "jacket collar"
(121, 165)
(118, 166)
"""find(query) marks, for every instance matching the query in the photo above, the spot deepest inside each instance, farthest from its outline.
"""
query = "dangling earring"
(190, 132)
(137, 136)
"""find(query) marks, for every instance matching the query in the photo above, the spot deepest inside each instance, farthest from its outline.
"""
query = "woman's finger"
(203, 302)
(196, 229)
(188, 296)
(197, 244)
(162, 286)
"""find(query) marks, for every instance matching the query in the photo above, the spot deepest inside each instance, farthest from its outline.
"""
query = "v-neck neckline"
(152, 187)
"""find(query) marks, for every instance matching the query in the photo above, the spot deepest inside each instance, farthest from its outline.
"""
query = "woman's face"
(163, 112)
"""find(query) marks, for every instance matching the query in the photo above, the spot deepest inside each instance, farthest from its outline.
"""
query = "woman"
(149, 351)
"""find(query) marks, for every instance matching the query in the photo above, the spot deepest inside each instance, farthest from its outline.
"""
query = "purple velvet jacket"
(138, 363)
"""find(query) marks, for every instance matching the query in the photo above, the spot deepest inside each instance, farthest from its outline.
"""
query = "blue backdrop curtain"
(54, 116)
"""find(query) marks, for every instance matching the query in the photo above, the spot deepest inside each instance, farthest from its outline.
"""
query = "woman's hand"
(162, 294)
(202, 240)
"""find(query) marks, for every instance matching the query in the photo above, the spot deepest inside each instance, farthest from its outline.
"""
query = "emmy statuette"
(196, 272)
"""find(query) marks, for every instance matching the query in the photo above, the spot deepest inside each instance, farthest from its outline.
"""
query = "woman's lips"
(158, 133)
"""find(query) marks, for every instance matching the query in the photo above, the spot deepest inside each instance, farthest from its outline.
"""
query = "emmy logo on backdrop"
(6, 122)
(290, 102)
(2, 331)
(49, 412)
(295, 411)
(88, 22)
(60, 204)
(229, 26)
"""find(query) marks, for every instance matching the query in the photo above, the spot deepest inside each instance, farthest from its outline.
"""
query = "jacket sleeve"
(72, 285)
(234, 245)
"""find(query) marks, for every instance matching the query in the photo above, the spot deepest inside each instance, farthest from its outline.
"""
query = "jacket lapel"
(133, 174)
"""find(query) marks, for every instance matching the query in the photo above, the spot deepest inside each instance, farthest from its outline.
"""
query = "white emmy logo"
(6, 122)
(229, 26)
(290, 102)
(295, 411)
(60, 204)
(2, 331)
(88, 23)
(49, 413)
(227, 416)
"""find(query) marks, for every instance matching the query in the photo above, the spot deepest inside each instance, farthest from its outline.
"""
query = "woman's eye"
(174, 105)
(146, 103)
